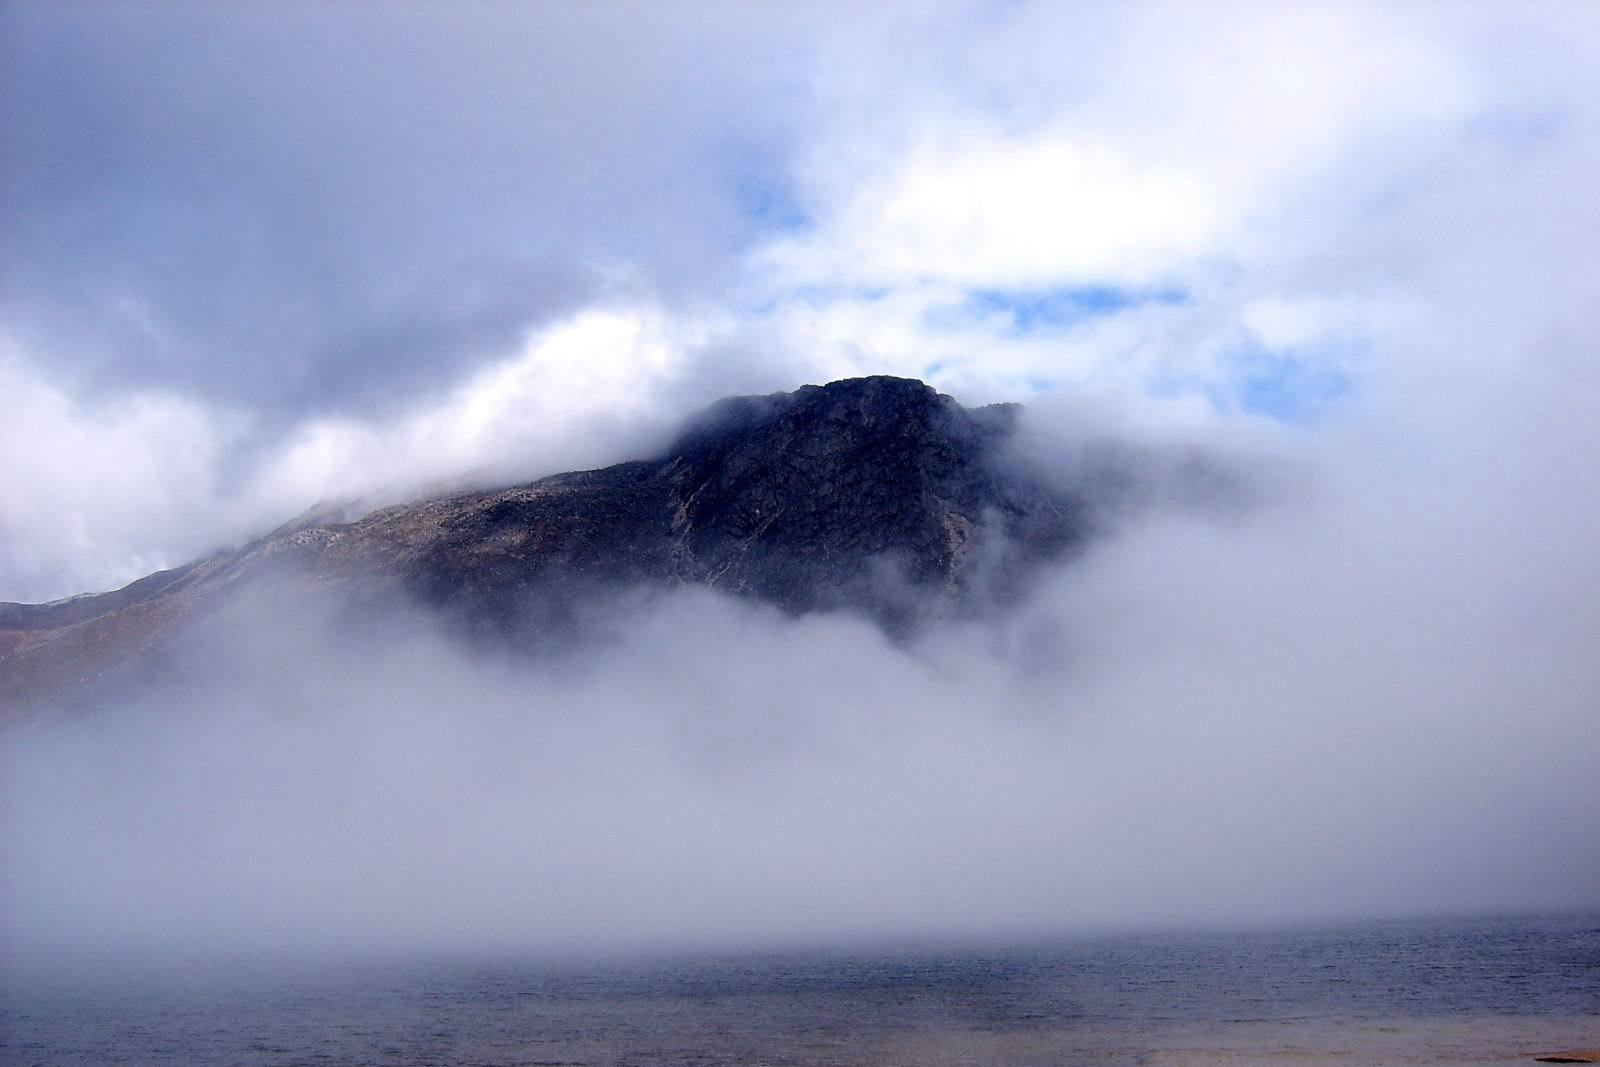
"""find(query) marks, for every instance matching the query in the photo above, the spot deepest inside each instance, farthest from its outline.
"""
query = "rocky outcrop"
(878, 495)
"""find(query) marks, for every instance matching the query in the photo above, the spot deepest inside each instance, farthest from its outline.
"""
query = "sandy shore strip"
(1472, 1041)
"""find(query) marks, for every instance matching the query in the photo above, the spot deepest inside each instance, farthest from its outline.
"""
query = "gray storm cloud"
(304, 207)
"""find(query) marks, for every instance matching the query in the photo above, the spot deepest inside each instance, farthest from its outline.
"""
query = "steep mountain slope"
(874, 494)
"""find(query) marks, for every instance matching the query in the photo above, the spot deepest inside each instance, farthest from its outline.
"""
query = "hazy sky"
(256, 256)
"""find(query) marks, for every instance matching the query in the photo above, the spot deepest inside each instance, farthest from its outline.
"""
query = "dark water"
(1479, 991)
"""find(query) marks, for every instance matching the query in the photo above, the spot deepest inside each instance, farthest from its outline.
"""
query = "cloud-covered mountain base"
(1346, 704)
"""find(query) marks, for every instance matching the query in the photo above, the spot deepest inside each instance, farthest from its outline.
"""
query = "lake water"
(1476, 991)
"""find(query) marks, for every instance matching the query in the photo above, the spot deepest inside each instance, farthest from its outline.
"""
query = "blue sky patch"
(772, 204)
(1054, 308)
(1289, 386)
(763, 189)
(1298, 386)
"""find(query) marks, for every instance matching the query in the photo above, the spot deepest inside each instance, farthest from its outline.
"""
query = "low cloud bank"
(1357, 699)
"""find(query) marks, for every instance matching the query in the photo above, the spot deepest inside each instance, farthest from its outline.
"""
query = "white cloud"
(96, 494)
(582, 392)
(983, 210)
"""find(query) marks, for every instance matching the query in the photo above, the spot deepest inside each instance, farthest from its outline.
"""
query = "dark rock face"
(873, 494)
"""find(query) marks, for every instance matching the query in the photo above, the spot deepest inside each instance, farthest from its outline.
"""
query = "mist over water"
(1479, 992)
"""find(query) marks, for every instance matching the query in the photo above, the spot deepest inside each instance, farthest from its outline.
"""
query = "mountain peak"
(842, 404)
(879, 495)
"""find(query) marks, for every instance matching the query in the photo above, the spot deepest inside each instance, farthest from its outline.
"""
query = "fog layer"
(1371, 693)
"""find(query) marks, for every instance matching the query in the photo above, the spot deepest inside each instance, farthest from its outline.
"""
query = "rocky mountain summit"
(878, 495)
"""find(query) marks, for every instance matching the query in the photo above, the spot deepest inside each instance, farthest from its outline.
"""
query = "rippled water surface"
(1481, 991)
